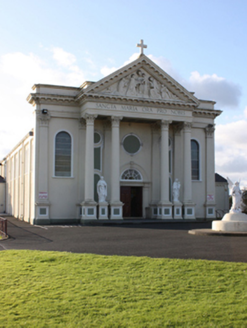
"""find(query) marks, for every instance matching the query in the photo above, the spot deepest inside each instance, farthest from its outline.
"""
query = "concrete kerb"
(210, 232)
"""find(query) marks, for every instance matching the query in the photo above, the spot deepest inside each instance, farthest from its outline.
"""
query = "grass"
(52, 289)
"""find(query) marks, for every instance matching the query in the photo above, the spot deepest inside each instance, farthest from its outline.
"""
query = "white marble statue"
(102, 190)
(236, 196)
(175, 190)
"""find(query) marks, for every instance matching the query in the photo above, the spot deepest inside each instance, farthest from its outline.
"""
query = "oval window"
(131, 144)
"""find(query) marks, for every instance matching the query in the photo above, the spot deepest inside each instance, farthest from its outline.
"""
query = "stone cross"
(142, 46)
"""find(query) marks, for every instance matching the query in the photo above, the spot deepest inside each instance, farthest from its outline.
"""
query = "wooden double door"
(132, 199)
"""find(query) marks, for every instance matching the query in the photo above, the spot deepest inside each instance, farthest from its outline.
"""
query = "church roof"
(219, 178)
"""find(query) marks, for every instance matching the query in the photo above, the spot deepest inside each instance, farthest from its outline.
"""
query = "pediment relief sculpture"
(140, 84)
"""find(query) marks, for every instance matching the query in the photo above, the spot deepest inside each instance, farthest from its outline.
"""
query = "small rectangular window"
(155, 211)
(90, 211)
(116, 211)
(189, 211)
(167, 211)
(210, 211)
(43, 211)
(177, 211)
(103, 211)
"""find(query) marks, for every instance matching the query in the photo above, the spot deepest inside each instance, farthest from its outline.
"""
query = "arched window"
(195, 160)
(131, 174)
(98, 144)
(63, 155)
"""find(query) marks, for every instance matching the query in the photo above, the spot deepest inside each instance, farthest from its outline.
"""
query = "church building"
(150, 138)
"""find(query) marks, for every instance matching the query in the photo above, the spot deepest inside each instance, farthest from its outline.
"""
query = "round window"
(97, 138)
(131, 144)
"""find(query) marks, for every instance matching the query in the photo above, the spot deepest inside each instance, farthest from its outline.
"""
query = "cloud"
(18, 73)
(62, 57)
(212, 87)
(106, 70)
(230, 150)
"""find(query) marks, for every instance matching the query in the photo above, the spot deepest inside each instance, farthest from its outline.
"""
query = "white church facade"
(138, 128)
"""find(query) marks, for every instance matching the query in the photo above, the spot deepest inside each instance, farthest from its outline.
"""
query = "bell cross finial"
(142, 46)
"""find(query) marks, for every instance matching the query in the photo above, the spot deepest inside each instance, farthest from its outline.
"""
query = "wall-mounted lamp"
(45, 111)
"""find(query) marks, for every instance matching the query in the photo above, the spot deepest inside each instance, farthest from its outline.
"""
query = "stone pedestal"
(116, 211)
(232, 222)
(103, 211)
(177, 210)
(165, 211)
(89, 211)
(189, 211)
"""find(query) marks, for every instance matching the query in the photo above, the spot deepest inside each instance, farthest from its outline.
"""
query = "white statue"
(236, 196)
(175, 190)
(102, 190)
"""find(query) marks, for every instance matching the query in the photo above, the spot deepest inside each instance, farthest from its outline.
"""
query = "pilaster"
(155, 167)
(165, 206)
(89, 205)
(116, 204)
(42, 161)
(210, 172)
(189, 207)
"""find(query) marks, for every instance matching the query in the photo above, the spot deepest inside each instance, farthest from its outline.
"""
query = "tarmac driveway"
(160, 240)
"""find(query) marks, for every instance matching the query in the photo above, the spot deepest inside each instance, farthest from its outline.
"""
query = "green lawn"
(52, 289)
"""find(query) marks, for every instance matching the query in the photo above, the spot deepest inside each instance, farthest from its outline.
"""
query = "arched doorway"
(131, 195)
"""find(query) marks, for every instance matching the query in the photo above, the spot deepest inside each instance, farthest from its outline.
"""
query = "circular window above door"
(131, 144)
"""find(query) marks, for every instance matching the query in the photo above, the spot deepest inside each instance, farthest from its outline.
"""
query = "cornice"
(52, 86)
(206, 112)
(36, 98)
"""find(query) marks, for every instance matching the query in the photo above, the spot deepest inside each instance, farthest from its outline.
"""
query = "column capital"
(187, 126)
(90, 118)
(165, 123)
(209, 130)
(115, 120)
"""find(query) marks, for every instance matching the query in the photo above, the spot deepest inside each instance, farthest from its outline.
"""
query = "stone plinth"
(103, 211)
(232, 222)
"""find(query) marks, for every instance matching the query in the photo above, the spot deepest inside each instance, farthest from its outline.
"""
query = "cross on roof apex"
(142, 46)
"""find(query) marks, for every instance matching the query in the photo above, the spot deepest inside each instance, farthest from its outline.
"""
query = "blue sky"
(200, 43)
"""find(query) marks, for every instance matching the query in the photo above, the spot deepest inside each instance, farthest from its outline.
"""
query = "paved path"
(170, 240)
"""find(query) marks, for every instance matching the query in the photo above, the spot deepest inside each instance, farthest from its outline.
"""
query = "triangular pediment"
(141, 80)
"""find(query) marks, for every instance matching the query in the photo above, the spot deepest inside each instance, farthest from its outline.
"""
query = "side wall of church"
(19, 174)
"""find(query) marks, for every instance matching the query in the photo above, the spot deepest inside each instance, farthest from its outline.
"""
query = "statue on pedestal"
(102, 190)
(175, 190)
(236, 197)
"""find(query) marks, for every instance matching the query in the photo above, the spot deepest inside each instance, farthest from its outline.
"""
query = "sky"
(201, 44)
